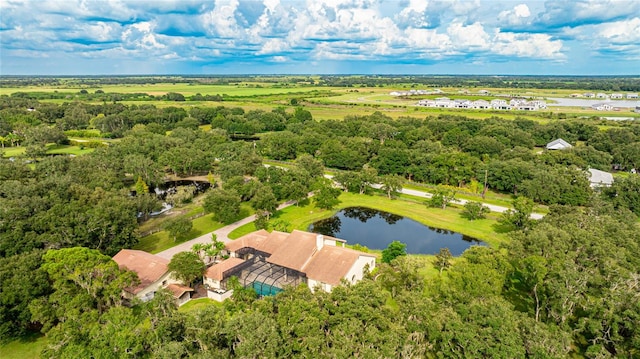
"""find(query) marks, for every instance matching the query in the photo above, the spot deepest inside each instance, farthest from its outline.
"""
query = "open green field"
(28, 347)
(300, 217)
(243, 89)
(52, 149)
(325, 102)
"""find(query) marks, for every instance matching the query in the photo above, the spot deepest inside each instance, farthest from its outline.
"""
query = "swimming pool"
(264, 289)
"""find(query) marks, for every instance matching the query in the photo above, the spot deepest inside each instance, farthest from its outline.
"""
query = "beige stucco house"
(269, 261)
(154, 274)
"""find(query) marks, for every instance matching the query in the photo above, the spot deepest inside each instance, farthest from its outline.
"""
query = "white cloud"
(273, 46)
(519, 15)
(221, 20)
(627, 31)
(341, 30)
(471, 36)
(537, 46)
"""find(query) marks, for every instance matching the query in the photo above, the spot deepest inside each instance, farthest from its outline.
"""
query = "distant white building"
(602, 106)
(601, 95)
(558, 144)
(498, 104)
(616, 96)
(480, 104)
(632, 95)
(599, 178)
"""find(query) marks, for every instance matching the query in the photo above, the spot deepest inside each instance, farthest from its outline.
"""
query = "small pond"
(171, 187)
(376, 229)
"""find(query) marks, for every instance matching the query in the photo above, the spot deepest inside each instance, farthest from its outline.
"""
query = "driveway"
(222, 234)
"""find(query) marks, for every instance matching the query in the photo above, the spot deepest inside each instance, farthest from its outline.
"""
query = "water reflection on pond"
(376, 229)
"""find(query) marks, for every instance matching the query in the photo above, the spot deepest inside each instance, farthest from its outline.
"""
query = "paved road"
(492, 207)
(222, 234)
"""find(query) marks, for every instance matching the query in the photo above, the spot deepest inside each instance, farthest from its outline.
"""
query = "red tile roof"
(147, 266)
(178, 290)
(331, 264)
(296, 251)
(217, 270)
(251, 240)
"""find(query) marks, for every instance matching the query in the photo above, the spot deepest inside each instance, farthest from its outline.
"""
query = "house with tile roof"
(153, 272)
(268, 262)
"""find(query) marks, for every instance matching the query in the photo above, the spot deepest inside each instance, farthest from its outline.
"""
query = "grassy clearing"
(52, 149)
(487, 230)
(199, 303)
(13, 151)
(28, 347)
(241, 89)
(161, 241)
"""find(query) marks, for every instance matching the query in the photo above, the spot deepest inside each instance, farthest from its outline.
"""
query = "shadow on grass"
(502, 227)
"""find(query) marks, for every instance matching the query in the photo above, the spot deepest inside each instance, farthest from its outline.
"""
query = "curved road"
(222, 234)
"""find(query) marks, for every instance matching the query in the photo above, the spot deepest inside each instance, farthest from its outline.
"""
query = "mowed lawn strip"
(27, 347)
(449, 219)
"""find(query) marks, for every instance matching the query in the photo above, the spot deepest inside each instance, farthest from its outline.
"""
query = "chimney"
(319, 241)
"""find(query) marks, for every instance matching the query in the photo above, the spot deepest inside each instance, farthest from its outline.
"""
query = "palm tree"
(13, 138)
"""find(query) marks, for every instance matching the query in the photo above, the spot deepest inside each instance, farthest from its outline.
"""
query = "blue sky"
(527, 37)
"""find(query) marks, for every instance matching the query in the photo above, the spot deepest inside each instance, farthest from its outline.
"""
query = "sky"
(422, 37)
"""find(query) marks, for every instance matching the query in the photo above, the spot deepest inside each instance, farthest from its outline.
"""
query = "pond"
(170, 187)
(376, 229)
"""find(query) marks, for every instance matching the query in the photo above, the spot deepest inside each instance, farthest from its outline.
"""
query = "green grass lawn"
(487, 230)
(28, 347)
(161, 241)
(13, 151)
(199, 303)
(52, 149)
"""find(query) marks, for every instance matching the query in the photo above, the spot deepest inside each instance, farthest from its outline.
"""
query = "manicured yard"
(51, 150)
(199, 303)
(161, 241)
(28, 347)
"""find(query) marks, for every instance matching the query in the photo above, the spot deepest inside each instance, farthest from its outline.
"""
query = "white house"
(154, 274)
(461, 103)
(616, 96)
(599, 178)
(602, 106)
(443, 102)
(498, 104)
(269, 261)
(558, 144)
(601, 95)
(480, 104)
(632, 95)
